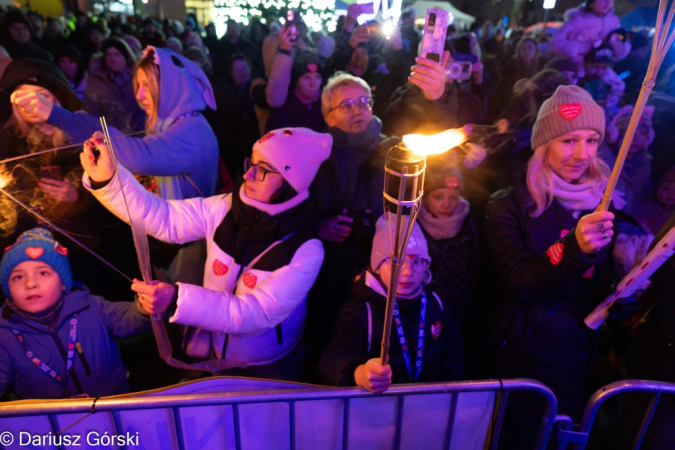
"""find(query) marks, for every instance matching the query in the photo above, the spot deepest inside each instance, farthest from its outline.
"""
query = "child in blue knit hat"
(57, 339)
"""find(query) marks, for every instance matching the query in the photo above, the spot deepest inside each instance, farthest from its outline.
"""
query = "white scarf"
(444, 227)
(576, 197)
(269, 208)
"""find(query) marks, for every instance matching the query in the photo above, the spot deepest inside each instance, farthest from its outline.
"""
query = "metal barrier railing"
(288, 405)
(578, 435)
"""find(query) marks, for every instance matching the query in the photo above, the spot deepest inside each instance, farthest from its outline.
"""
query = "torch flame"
(439, 143)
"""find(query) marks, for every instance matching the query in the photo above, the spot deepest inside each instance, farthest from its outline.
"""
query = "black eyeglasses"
(419, 264)
(363, 103)
(259, 172)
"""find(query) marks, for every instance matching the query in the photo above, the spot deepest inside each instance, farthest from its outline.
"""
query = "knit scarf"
(48, 318)
(367, 138)
(576, 197)
(444, 227)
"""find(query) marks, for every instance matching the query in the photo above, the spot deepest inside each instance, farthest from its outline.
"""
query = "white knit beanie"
(296, 153)
(417, 244)
(570, 108)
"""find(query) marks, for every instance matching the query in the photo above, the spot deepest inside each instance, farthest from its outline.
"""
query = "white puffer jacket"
(246, 307)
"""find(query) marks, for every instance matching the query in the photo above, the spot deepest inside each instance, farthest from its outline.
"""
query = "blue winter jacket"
(99, 371)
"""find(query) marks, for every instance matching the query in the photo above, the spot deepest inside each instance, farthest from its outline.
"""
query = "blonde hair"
(35, 137)
(151, 70)
(540, 178)
(337, 81)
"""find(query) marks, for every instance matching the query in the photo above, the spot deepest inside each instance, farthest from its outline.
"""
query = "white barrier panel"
(239, 413)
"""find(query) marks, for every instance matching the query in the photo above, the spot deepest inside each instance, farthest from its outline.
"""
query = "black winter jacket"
(443, 355)
(549, 286)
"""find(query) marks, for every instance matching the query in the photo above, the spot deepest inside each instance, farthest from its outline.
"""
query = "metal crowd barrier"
(238, 413)
(578, 435)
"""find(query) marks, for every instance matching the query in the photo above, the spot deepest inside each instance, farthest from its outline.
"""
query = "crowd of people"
(255, 162)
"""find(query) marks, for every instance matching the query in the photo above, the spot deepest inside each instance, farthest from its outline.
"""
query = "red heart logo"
(312, 67)
(35, 252)
(569, 111)
(436, 329)
(250, 280)
(219, 268)
(266, 137)
(555, 253)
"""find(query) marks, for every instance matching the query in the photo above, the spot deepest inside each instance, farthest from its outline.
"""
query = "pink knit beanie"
(296, 153)
(570, 108)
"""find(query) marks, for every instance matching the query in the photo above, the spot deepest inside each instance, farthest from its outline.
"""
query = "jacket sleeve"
(264, 307)
(279, 80)
(176, 221)
(171, 152)
(348, 348)
(122, 318)
(532, 278)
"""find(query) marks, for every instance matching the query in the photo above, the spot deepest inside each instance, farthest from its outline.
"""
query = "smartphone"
(433, 39)
(458, 71)
(291, 15)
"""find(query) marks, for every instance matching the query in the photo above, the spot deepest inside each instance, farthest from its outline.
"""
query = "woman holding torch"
(552, 251)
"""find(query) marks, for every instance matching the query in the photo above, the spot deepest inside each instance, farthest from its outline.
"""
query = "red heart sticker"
(555, 253)
(451, 181)
(266, 137)
(589, 273)
(35, 252)
(250, 280)
(312, 67)
(569, 111)
(436, 329)
(219, 268)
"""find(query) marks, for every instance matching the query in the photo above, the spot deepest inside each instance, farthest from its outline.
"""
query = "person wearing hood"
(426, 344)
(585, 28)
(180, 148)
(110, 89)
(16, 35)
(70, 61)
(262, 255)
(178, 157)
